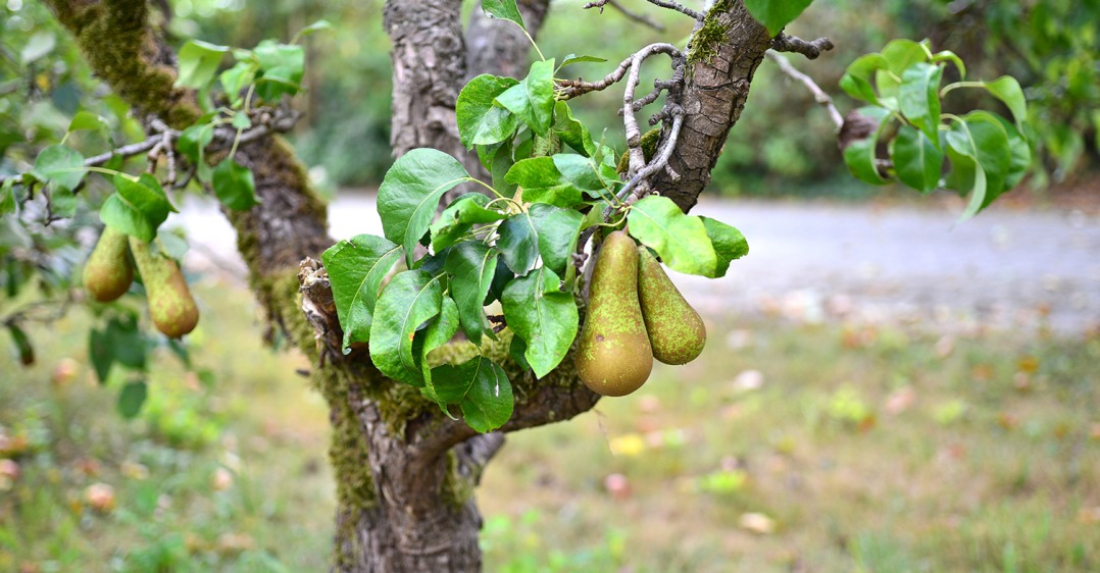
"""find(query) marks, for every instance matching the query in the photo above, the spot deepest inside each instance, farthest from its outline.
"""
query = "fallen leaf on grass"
(757, 523)
(627, 445)
(100, 497)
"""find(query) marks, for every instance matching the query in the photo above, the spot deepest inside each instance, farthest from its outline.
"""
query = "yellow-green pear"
(108, 272)
(676, 331)
(171, 305)
(614, 357)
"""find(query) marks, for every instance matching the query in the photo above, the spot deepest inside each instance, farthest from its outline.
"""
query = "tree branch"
(819, 94)
(785, 43)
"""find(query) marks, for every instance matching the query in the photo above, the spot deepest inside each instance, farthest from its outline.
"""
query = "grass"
(852, 449)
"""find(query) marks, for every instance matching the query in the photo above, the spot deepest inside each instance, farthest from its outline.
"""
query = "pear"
(108, 272)
(676, 331)
(170, 303)
(614, 357)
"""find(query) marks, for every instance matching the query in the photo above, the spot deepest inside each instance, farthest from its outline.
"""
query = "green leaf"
(503, 9)
(680, 240)
(241, 121)
(480, 121)
(409, 300)
(37, 47)
(1020, 153)
(949, 56)
(86, 120)
(235, 79)
(281, 69)
(899, 55)
(498, 167)
(439, 331)
(22, 342)
(193, 141)
(860, 155)
(1007, 89)
(543, 183)
(968, 172)
(137, 208)
(856, 81)
(7, 197)
(558, 230)
(729, 244)
(480, 388)
(543, 316)
(198, 62)
(458, 218)
(572, 131)
(234, 185)
(127, 342)
(501, 278)
(532, 100)
(132, 398)
(519, 243)
(516, 350)
(580, 171)
(775, 14)
(313, 28)
(62, 203)
(473, 267)
(575, 59)
(60, 165)
(101, 353)
(993, 151)
(175, 246)
(919, 99)
(916, 159)
(356, 268)
(411, 191)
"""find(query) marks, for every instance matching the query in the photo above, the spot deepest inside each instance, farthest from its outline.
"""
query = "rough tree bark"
(405, 473)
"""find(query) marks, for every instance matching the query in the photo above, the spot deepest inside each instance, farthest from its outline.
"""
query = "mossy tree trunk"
(405, 473)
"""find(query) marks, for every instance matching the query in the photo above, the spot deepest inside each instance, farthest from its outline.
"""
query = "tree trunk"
(405, 473)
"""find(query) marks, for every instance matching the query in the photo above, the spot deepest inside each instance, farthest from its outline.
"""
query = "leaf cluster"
(516, 247)
(980, 154)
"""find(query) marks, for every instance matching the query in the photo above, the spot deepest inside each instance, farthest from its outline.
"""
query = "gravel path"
(811, 262)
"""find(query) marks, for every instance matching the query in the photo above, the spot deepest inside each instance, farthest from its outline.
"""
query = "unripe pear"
(108, 272)
(171, 305)
(614, 357)
(676, 331)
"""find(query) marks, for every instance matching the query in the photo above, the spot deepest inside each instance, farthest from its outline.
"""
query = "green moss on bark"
(704, 44)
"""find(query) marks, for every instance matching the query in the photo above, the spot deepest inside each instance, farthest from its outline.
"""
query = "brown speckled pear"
(614, 357)
(170, 303)
(676, 331)
(108, 272)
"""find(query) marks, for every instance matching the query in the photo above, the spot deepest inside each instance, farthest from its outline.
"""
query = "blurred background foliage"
(783, 145)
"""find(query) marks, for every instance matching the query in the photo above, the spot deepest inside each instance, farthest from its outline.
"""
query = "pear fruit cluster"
(635, 314)
(110, 271)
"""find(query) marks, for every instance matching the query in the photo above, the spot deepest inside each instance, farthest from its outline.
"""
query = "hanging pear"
(676, 331)
(614, 357)
(108, 272)
(171, 305)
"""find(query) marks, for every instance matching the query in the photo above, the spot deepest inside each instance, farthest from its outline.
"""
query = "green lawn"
(855, 449)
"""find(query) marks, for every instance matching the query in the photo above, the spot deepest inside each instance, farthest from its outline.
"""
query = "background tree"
(405, 470)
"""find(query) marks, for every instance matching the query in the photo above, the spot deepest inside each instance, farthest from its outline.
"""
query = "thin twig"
(819, 95)
(785, 43)
(633, 187)
(679, 8)
(630, 14)
(280, 122)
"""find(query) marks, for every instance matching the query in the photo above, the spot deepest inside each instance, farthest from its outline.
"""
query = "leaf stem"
(949, 87)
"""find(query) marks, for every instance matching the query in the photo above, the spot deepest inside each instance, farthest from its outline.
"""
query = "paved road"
(811, 262)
